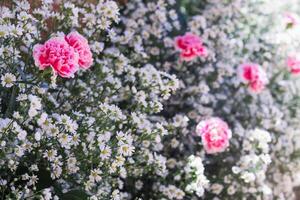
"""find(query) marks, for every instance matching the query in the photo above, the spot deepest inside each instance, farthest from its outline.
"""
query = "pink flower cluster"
(215, 135)
(65, 55)
(293, 63)
(190, 46)
(253, 75)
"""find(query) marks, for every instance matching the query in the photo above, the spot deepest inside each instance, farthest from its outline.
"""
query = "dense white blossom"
(126, 127)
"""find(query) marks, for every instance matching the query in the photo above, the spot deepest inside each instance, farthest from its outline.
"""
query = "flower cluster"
(195, 169)
(245, 96)
(149, 99)
(253, 164)
(89, 134)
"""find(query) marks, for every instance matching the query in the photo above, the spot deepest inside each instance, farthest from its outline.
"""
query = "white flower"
(22, 97)
(174, 143)
(35, 105)
(119, 161)
(56, 172)
(126, 150)
(180, 121)
(37, 136)
(50, 154)
(104, 137)
(116, 195)
(161, 162)
(41, 121)
(22, 135)
(105, 152)
(47, 194)
(236, 170)
(19, 151)
(138, 184)
(262, 137)
(7, 80)
(98, 47)
(216, 188)
(266, 190)
(195, 168)
(4, 123)
(3, 182)
(248, 177)
(95, 175)
(65, 140)
(231, 190)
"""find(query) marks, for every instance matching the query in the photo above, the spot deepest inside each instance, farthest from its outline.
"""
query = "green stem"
(11, 101)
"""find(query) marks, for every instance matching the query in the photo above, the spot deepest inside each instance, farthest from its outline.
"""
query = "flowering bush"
(149, 100)
(81, 136)
(263, 97)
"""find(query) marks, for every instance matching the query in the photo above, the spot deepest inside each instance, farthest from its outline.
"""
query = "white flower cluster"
(171, 192)
(126, 127)
(234, 32)
(195, 170)
(254, 162)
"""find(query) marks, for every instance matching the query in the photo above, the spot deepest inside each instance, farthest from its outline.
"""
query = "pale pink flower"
(293, 63)
(190, 46)
(253, 75)
(291, 19)
(81, 46)
(59, 55)
(215, 135)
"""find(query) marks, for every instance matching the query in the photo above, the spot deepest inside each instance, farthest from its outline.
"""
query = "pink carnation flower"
(254, 76)
(215, 135)
(293, 63)
(81, 46)
(190, 46)
(291, 19)
(58, 54)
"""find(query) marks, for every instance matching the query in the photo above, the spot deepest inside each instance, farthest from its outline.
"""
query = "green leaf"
(47, 73)
(45, 179)
(248, 99)
(289, 25)
(75, 195)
